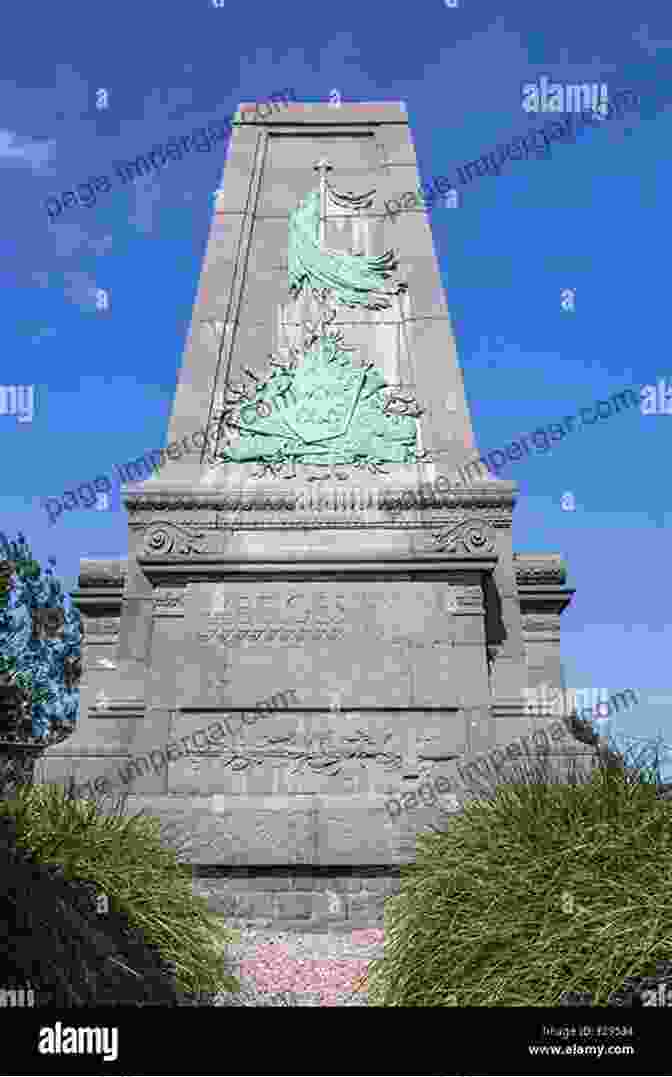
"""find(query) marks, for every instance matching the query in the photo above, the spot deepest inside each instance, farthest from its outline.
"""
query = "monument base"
(323, 661)
(307, 899)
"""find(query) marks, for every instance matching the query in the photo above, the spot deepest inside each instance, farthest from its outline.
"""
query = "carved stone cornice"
(421, 498)
(534, 569)
(102, 574)
(533, 623)
(100, 593)
(198, 529)
(467, 536)
(541, 585)
(166, 538)
(321, 500)
(544, 606)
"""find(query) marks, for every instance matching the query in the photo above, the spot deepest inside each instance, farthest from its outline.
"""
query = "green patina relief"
(354, 280)
(319, 408)
(324, 410)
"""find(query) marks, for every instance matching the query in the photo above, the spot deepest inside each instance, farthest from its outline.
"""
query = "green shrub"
(142, 879)
(538, 887)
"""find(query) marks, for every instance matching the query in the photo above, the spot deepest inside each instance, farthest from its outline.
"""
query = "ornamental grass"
(142, 879)
(538, 887)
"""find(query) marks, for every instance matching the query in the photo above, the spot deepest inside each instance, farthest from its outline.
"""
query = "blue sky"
(594, 218)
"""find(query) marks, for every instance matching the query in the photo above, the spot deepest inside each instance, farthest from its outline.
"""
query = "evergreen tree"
(40, 641)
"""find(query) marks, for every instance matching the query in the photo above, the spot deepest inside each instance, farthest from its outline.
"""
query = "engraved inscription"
(233, 636)
(414, 615)
(268, 608)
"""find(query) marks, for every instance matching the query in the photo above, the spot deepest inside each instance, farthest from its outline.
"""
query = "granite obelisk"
(305, 554)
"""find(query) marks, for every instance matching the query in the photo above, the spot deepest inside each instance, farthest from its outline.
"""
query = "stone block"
(345, 824)
(259, 883)
(114, 770)
(295, 906)
(320, 884)
(328, 904)
(366, 905)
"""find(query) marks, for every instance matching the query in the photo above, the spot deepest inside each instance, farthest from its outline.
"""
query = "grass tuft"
(537, 887)
(129, 861)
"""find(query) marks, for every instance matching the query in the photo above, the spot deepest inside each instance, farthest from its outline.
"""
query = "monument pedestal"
(379, 635)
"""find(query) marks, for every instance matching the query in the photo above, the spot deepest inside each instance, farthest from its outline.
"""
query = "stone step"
(311, 926)
(299, 902)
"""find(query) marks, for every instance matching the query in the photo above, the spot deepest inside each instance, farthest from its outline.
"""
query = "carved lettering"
(269, 609)
(414, 615)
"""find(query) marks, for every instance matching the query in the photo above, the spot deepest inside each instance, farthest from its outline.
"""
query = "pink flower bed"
(273, 970)
(368, 936)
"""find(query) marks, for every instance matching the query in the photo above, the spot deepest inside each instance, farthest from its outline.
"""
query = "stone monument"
(306, 550)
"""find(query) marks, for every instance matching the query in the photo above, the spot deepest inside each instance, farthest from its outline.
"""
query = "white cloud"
(15, 149)
(81, 289)
(48, 331)
(147, 193)
(651, 45)
(70, 237)
(101, 246)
